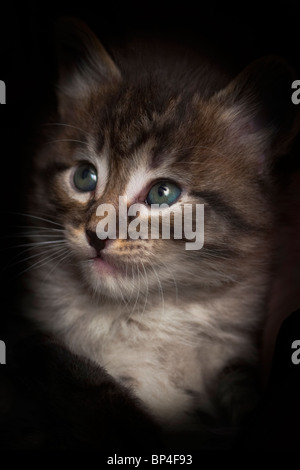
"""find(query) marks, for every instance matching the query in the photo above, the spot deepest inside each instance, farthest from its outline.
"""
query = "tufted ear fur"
(256, 108)
(84, 64)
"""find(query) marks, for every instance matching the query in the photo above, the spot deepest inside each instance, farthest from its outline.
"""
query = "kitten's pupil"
(85, 173)
(163, 191)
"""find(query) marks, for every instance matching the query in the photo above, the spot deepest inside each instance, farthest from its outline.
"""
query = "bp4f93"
(171, 459)
(2, 92)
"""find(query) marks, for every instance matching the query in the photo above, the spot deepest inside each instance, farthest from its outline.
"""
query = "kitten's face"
(131, 134)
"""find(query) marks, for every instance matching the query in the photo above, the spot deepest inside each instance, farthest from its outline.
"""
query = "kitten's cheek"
(82, 250)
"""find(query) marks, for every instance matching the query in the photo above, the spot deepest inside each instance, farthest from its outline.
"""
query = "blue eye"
(163, 192)
(85, 178)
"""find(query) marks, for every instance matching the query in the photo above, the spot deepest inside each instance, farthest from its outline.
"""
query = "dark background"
(235, 34)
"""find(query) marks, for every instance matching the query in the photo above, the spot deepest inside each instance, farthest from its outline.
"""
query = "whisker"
(36, 227)
(35, 255)
(174, 280)
(42, 213)
(33, 244)
(160, 288)
(23, 214)
(63, 124)
(123, 298)
(147, 293)
(29, 235)
(66, 140)
(40, 263)
(139, 290)
(132, 290)
(29, 248)
(137, 296)
(68, 255)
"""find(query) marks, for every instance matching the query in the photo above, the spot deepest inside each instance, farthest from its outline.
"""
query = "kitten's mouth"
(103, 266)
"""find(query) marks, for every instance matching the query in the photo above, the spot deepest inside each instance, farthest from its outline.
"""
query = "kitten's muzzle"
(95, 241)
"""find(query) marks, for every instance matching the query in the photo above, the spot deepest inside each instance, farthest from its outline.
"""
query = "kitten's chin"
(104, 277)
(108, 279)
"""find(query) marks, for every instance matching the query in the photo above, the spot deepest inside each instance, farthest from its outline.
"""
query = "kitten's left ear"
(256, 108)
(84, 65)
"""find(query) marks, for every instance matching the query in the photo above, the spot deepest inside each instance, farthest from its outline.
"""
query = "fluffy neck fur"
(174, 354)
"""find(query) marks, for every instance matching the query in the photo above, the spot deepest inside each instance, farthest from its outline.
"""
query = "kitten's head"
(161, 126)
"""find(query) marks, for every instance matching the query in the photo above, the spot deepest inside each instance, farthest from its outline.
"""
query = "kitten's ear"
(84, 64)
(256, 108)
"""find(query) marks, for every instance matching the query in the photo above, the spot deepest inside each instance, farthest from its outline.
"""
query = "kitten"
(179, 328)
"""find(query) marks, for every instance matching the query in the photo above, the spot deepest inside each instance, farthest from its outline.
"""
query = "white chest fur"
(167, 356)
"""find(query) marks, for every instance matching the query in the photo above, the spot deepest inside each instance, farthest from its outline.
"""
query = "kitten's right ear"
(84, 64)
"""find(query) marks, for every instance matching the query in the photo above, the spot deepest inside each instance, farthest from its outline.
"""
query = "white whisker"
(66, 140)
(63, 124)
(42, 262)
(23, 260)
(30, 235)
(147, 293)
(174, 280)
(23, 214)
(160, 288)
(36, 244)
(36, 228)
(68, 255)
(137, 296)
